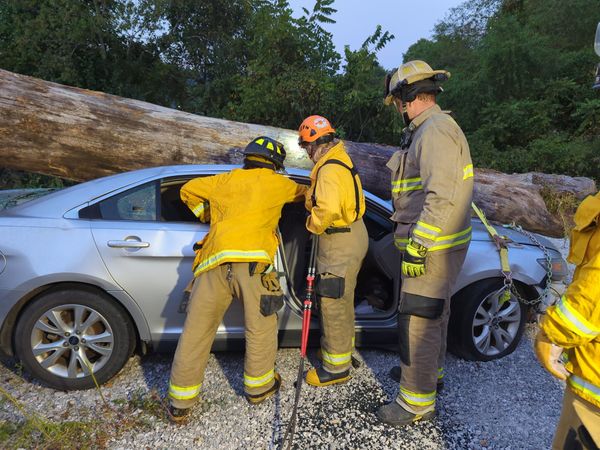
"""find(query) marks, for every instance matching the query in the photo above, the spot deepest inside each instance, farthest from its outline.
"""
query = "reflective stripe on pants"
(340, 254)
(210, 298)
(427, 337)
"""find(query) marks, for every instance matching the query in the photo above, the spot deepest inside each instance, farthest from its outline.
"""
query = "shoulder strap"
(354, 174)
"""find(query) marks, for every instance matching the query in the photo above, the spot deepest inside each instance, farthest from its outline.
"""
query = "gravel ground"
(507, 404)
(511, 403)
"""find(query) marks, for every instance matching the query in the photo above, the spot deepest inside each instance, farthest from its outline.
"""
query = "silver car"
(94, 272)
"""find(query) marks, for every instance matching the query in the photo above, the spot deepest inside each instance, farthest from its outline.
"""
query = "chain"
(508, 283)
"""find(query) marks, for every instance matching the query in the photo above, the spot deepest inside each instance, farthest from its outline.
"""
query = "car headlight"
(559, 267)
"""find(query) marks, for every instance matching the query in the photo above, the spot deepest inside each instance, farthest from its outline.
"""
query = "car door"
(146, 242)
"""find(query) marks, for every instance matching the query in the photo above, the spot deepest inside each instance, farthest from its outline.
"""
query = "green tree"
(291, 66)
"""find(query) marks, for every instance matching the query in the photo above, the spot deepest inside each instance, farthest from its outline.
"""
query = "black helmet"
(267, 148)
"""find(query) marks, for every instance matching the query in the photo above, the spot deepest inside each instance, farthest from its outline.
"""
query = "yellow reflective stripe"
(453, 244)
(412, 398)
(450, 240)
(270, 146)
(468, 171)
(259, 381)
(404, 189)
(455, 235)
(440, 242)
(575, 321)
(440, 373)
(429, 227)
(406, 180)
(590, 389)
(260, 141)
(337, 359)
(406, 184)
(199, 209)
(216, 259)
(183, 393)
(423, 234)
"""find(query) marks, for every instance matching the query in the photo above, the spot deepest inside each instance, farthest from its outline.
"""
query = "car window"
(172, 209)
(138, 203)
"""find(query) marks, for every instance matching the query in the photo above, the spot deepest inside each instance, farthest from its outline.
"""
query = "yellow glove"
(270, 281)
(548, 354)
(413, 261)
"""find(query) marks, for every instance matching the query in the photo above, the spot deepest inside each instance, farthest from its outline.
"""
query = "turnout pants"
(339, 259)
(579, 424)
(422, 333)
(210, 298)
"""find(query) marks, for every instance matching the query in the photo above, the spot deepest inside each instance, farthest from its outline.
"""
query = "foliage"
(520, 85)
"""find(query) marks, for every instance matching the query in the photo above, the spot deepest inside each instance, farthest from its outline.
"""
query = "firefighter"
(235, 260)
(336, 205)
(432, 187)
(573, 326)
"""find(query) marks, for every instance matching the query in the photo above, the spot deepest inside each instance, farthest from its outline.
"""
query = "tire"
(480, 329)
(103, 343)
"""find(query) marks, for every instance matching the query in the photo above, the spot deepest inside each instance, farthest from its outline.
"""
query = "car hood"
(481, 234)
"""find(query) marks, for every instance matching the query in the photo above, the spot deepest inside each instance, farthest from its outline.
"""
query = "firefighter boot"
(395, 415)
(320, 377)
(396, 374)
(259, 398)
(179, 415)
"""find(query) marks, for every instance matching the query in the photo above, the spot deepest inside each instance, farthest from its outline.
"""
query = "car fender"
(483, 261)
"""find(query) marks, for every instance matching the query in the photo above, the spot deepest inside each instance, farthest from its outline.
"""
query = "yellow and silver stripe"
(585, 386)
(440, 242)
(451, 240)
(238, 255)
(407, 184)
(424, 230)
(415, 399)
(184, 392)
(575, 321)
(255, 382)
(199, 210)
(337, 359)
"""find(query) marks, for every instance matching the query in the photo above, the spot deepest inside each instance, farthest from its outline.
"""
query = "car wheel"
(481, 327)
(67, 338)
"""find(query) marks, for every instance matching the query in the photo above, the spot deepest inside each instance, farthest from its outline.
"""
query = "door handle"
(128, 244)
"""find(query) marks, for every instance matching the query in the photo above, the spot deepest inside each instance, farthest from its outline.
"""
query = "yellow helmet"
(412, 78)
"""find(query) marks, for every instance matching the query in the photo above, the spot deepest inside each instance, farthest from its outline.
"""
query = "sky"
(408, 21)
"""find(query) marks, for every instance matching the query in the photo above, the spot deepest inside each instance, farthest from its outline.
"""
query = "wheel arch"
(135, 315)
(528, 291)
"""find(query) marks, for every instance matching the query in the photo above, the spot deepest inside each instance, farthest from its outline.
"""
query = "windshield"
(14, 197)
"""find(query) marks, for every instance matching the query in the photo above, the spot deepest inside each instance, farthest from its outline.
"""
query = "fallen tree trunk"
(80, 135)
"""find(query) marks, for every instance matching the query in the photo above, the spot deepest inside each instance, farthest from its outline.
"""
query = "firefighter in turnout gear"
(432, 187)
(235, 260)
(573, 326)
(336, 204)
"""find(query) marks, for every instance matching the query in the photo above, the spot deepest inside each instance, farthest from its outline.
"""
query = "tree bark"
(80, 134)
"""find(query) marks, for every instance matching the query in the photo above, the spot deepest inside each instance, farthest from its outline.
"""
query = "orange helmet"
(313, 128)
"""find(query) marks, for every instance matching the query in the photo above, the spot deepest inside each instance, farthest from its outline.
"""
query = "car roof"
(56, 203)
